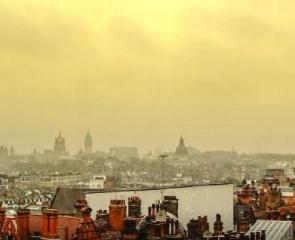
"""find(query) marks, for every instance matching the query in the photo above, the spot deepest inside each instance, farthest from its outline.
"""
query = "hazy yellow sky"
(143, 72)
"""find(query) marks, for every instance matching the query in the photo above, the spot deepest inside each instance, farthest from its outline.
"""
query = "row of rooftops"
(124, 220)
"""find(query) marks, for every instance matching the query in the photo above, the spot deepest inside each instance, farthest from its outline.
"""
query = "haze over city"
(142, 73)
(147, 120)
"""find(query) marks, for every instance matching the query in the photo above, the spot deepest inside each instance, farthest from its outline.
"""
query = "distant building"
(275, 172)
(35, 152)
(57, 180)
(124, 152)
(216, 156)
(88, 143)
(48, 152)
(97, 182)
(3, 151)
(27, 181)
(60, 145)
(11, 151)
(192, 151)
(181, 148)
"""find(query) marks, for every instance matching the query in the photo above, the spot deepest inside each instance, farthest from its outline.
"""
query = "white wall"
(193, 201)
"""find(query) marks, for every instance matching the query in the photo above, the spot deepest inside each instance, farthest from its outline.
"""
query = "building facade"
(60, 145)
(88, 143)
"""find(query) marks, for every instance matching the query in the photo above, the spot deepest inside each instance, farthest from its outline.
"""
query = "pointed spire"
(181, 149)
(88, 142)
(60, 137)
(11, 151)
(88, 135)
(59, 145)
(181, 140)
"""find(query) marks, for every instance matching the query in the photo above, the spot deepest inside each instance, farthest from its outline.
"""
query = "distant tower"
(11, 151)
(88, 143)
(60, 144)
(35, 152)
(181, 148)
(3, 151)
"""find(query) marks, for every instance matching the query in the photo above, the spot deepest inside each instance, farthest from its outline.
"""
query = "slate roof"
(65, 198)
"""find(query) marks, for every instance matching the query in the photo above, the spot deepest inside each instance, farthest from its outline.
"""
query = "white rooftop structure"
(195, 200)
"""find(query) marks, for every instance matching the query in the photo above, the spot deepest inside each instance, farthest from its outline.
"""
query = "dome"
(181, 148)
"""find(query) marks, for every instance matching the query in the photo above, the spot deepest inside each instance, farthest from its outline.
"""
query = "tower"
(11, 151)
(88, 143)
(60, 144)
(181, 148)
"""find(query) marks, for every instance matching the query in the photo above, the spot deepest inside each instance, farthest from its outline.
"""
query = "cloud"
(42, 34)
(192, 66)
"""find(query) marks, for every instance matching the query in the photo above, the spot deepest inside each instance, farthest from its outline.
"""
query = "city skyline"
(60, 141)
(181, 139)
(147, 120)
(220, 72)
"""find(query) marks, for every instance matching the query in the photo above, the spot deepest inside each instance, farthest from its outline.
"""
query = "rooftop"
(275, 230)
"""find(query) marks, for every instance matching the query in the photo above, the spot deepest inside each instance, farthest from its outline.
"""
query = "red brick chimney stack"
(149, 211)
(23, 224)
(117, 214)
(172, 227)
(130, 232)
(87, 229)
(153, 209)
(2, 217)
(134, 206)
(49, 224)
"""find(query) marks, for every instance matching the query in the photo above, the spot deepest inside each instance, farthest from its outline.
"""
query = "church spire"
(88, 143)
(181, 148)
(59, 144)
(181, 140)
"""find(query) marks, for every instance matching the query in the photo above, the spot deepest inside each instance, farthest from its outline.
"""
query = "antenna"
(162, 157)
